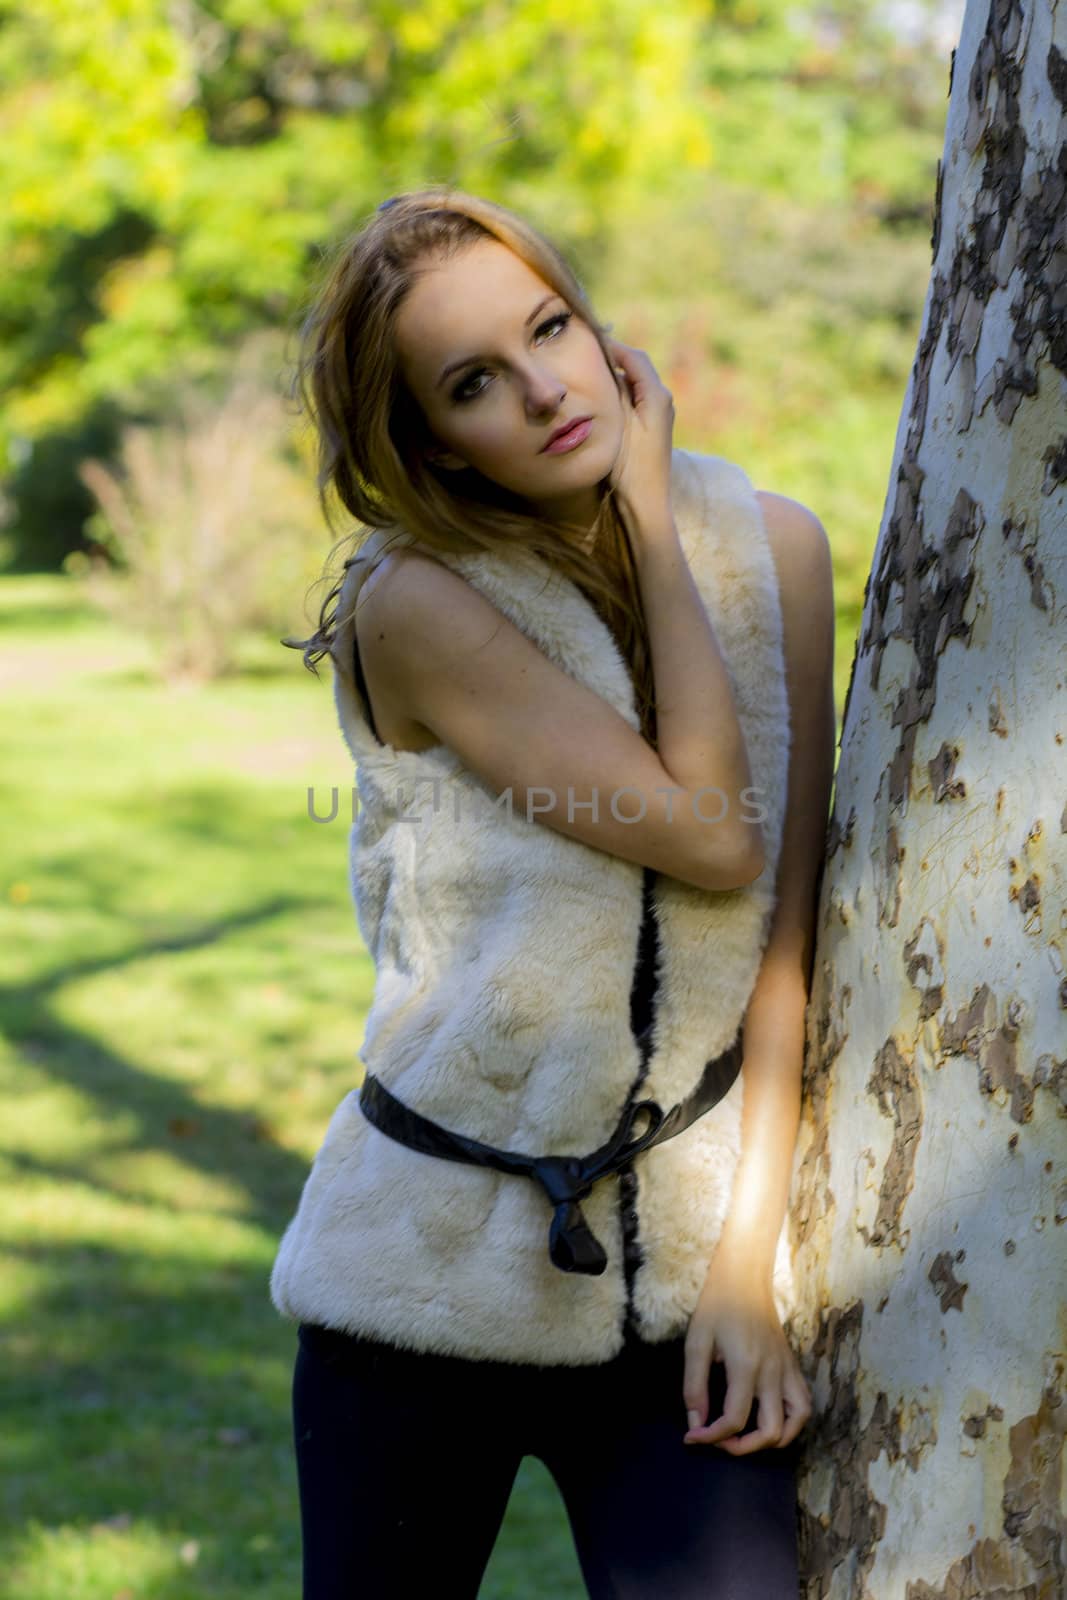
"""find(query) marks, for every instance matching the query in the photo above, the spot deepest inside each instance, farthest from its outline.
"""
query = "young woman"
(586, 677)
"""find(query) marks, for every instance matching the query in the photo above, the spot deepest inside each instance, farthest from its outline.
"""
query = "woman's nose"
(544, 391)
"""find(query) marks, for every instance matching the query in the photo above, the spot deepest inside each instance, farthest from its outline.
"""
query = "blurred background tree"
(745, 187)
(195, 533)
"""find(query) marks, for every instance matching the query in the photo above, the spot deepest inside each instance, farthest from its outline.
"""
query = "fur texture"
(504, 953)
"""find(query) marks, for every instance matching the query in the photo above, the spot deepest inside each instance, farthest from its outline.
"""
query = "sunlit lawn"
(183, 996)
(184, 989)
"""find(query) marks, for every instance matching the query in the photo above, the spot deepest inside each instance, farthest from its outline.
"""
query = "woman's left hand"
(735, 1321)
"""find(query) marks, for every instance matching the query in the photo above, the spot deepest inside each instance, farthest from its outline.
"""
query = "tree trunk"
(930, 1190)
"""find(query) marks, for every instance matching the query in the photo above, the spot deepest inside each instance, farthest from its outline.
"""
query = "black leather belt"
(566, 1180)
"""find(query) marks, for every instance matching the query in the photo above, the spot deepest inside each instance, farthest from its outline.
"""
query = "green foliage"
(788, 351)
(827, 104)
(172, 171)
(209, 528)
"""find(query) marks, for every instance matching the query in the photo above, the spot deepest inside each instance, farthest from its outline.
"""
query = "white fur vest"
(504, 953)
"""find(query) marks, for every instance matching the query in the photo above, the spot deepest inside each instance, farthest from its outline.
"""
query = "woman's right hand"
(641, 475)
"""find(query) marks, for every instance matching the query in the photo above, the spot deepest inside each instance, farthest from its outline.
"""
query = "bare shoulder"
(400, 603)
(411, 603)
(391, 570)
(803, 561)
(796, 535)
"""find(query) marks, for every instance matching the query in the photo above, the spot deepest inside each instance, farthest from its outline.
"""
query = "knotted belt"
(566, 1180)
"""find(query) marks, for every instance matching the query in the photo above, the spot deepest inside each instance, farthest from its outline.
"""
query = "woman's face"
(497, 361)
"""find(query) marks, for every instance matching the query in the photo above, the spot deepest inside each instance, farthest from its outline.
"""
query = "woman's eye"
(562, 317)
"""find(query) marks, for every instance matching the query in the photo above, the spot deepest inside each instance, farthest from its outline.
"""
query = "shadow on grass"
(148, 1382)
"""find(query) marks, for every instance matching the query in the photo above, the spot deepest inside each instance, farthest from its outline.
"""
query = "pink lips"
(569, 440)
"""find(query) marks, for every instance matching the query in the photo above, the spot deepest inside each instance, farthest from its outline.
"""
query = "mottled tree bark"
(930, 1194)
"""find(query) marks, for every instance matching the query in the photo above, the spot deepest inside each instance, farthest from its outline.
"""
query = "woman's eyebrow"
(454, 366)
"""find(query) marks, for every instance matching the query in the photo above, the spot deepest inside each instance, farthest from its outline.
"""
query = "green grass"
(183, 995)
(183, 992)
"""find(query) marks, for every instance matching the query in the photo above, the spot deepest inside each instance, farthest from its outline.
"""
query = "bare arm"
(735, 1317)
(773, 1037)
(459, 667)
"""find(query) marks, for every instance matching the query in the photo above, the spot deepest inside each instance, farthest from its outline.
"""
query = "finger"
(698, 1353)
(637, 372)
(737, 1405)
(623, 373)
(747, 1443)
(629, 355)
(769, 1431)
(798, 1406)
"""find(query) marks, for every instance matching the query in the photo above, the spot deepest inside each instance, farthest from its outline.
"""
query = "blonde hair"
(372, 437)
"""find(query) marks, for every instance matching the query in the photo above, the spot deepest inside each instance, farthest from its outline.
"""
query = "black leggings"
(406, 1461)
